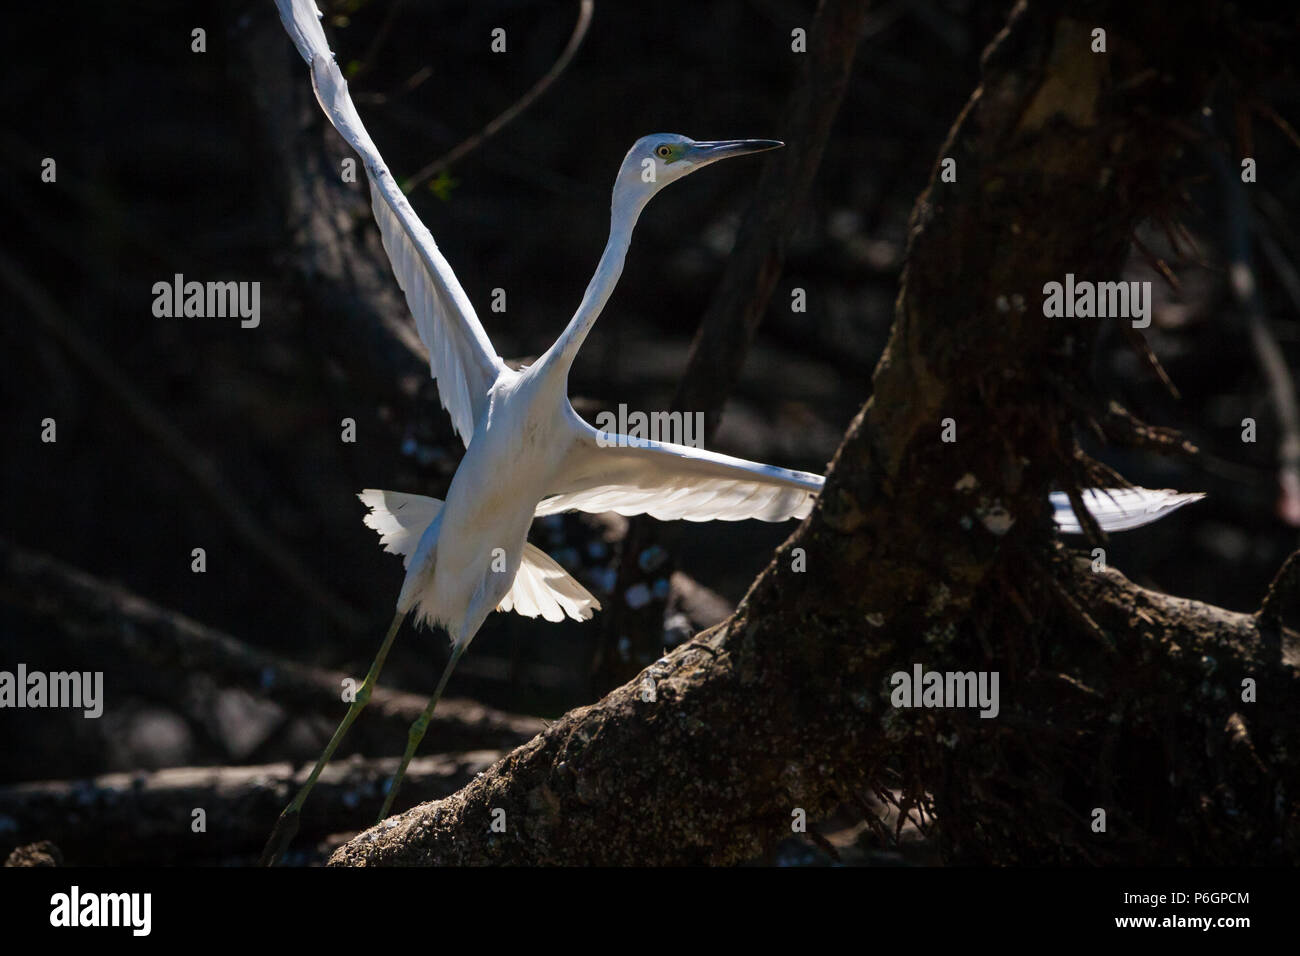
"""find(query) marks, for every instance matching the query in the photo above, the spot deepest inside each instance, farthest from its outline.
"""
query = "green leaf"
(442, 185)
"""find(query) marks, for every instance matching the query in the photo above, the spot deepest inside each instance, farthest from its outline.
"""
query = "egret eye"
(663, 152)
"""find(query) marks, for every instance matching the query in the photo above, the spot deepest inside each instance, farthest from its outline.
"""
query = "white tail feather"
(399, 518)
(544, 589)
(541, 587)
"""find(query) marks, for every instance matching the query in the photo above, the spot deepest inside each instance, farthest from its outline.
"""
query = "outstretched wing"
(604, 472)
(461, 357)
(1119, 509)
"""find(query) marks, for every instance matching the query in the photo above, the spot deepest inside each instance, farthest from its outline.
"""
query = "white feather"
(1119, 509)
(635, 476)
(461, 356)
(399, 518)
(544, 589)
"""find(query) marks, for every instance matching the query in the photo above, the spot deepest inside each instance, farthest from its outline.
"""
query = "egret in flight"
(528, 453)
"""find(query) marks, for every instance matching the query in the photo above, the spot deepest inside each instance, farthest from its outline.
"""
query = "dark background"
(166, 165)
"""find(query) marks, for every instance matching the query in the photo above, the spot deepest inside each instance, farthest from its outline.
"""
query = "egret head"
(656, 160)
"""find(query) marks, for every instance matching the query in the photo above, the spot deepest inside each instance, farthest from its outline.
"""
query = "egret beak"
(703, 153)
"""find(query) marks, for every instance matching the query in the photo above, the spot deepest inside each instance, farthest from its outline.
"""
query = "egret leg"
(416, 733)
(287, 824)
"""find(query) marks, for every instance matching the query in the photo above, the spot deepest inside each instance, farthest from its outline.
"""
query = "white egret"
(528, 453)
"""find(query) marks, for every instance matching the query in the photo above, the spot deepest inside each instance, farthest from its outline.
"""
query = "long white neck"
(623, 216)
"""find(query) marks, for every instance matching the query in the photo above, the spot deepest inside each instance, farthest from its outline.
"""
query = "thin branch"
(377, 42)
(1272, 115)
(510, 113)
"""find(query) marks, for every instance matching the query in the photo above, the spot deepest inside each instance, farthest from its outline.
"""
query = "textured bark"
(943, 554)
